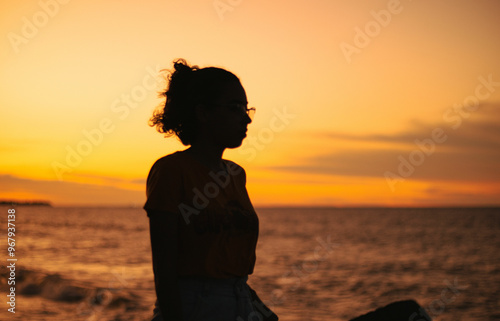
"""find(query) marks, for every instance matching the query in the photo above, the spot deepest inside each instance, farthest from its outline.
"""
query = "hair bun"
(182, 66)
(180, 77)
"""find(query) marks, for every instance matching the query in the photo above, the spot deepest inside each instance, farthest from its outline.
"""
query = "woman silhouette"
(203, 226)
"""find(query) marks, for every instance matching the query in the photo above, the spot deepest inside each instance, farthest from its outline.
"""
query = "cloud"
(469, 152)
(69, 193)
(110, 180)
(441, 195)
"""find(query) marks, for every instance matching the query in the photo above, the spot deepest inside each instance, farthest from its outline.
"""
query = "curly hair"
(187, 87)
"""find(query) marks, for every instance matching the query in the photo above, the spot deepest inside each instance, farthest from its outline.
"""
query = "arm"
(163, 232)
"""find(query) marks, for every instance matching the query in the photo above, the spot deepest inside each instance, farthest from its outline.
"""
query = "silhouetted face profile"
(227, 120)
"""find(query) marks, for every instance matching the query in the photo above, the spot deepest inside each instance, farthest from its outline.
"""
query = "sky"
(359, 103)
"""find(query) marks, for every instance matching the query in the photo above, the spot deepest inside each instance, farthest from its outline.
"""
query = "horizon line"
(277, 206)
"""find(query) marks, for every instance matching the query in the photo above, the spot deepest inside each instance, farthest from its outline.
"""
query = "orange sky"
(375, 103)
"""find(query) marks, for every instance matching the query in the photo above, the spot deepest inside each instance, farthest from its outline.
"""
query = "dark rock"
(408, 310)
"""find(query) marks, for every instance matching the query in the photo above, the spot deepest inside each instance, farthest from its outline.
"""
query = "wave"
(53, 286)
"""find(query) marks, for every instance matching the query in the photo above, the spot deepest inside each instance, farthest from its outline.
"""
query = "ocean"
(77, 263)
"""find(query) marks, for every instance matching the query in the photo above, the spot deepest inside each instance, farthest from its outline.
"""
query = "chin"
(235, 144)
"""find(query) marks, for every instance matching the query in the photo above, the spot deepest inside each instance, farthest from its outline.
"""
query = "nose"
(247, 119)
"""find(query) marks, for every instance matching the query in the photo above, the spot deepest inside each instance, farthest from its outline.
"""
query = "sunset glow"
(379, 103)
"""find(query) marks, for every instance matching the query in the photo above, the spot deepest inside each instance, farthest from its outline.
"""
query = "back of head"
(188, 86)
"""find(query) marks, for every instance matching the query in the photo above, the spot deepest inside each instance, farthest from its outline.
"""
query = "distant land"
(25, 203)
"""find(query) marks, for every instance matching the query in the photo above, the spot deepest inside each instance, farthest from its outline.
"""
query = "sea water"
(312, 263)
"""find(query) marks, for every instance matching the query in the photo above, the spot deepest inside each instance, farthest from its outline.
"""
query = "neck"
(207, 154)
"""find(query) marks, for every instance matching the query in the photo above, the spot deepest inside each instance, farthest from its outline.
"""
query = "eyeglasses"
(240, 108)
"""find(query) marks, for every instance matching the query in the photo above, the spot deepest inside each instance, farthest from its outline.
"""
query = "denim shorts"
(208, 299)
